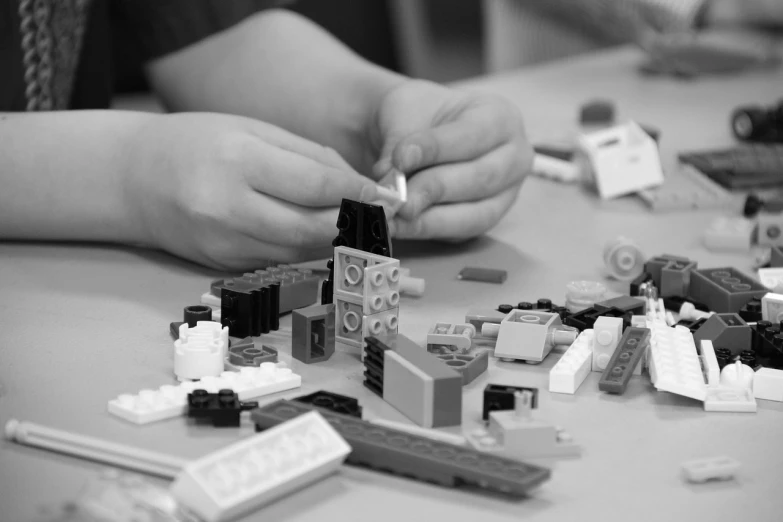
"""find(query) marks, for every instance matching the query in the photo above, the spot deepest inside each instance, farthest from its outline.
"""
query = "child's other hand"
(467, 150)
(234, 193)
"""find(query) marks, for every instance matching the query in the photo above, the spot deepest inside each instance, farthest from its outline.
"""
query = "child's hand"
(232, 192)
(465, 149)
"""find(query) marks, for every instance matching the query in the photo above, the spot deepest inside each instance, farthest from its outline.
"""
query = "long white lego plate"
(674, 363)
(172, 401)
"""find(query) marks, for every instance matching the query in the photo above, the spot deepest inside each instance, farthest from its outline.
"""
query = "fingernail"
(369, 192)
(411, 158)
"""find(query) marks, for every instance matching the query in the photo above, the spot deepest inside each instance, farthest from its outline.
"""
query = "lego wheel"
(748, 123)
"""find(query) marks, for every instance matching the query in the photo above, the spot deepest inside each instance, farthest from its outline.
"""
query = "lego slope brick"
(673, 362)
(574, 365)
(363, 226)
(725, 331)
(312, 334)
(361, 277)
(260, 469)
(298, 287)
(724, 290)
(626, 358)
(171, 401)
(410, 455)
(525, 335)
(768, 384)
(469, 366)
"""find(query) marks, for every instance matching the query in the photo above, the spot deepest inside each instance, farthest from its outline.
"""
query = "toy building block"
(639, 284)
(253, 472)
(729, 399)
(370, 280)
(654, 266)
(528, 335)
(756, 123)
(768, 385)
(770, 226)
(597, 112)
(373, 359)
(500, 397)
(222, 409)
(412, 286)
(172, 401)
(567, 375)
(469, 366)
(333, 402)
(606, 336)
(585, 320)
(776, 257)
(478, 316)
(674, 363)
(414, 456)
(688, 189)
(772, 307)
(725, 331)
(245, 353)
(709, 362)
(298, 287)
(352, 327)
(363, 226)
(676, 278)
(715, 468)
(450, 338)
(583, 294)
(768, 344)
(313, 335)
(194, 314)
(199, 352)
(623, 259)
(174, 329)
(772, 279)
(624, 361)
(626, 303)
(730, 234)
(555, 169)
(724, 290)
(482, 275)
(249, 310)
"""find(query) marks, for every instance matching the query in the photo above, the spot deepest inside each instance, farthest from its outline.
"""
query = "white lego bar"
(768, 384)
(199, 351)
(729, 399)
(673, 362)
(710, 363)
(172, 401)
(574, 365)
(258, 470)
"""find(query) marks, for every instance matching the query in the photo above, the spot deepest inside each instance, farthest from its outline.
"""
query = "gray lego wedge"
(725, 331)
(655, 265)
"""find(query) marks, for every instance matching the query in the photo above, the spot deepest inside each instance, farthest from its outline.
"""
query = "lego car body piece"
(450, 338)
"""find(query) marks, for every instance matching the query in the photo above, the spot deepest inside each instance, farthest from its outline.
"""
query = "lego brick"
(729, 234)
(500, 397)
(769, 229)
(417, 457)
(757, 123)
(352, 327)
(724, 290)
(676, 278)
(709, 363)
(171, 401)
(469, 366)
(199, 351)
(248, 310)
(625, 359)
(222, 409)
(772, 279)
(372, 357)
(363, 226)
(174, 329)
(333, 402)
(597, 112)
(482, 275)
(253, 472)
(623, 259)
(688, 189)
(626, 303)
(767, 343)
(714, 468)
(574, 365)
(607, 332)
(751, 312)
(776, 257)
(729, 399)
(245, 353)
(525, 437)
(361, 276)
(639, 283)
(725, 331)
(772, 307)
(441, 436)
(552, 168)
(450, 338)
(313, 333)
(585, 320)
(525, 335)
(768, 384)
(654, 266)
(298, 287)
(746, 166)
(674, 363)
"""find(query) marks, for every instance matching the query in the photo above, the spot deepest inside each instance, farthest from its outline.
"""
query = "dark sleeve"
(161, 27)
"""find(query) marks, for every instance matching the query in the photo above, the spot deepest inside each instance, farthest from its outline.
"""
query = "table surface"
(82, 324)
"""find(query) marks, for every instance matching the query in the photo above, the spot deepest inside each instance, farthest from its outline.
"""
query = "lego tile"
(626, 358)
(574, 365)
(768, 385)
(709, 363)
(525, 335)
(245, 353)
(171, 401)
(772, 307)
(724, 290)
(253, 472)
(450, 338)
(313, 333)
(500, 397)
(725, 331)
(673, 362)
(729, 399)
(676, 278)
(607, 332)
(729, 234)
(361, 276)
(482, 275)
(200, 351)
(352, 327)
(469, 366)
(714, 468)
(623, 259)
(413, 456)
(626, 303)
(333, 402)
(769, 228)
(688, 189)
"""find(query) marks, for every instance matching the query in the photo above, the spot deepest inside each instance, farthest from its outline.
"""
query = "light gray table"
(82, 324)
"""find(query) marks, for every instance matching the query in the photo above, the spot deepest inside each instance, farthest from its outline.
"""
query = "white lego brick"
(710, 361)
(556, 169)
(574, 365)
(199, 351)
(772, 307)
(770, 228)
(772, 278)
(674, 363)
(729, 234)
(172, 401)
(606, 334)
(715, 468)
(729, 399)
(622, 160)
(768, 384)
(249, 474)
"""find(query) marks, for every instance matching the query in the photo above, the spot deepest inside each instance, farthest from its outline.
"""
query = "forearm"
(280, 68)
(61, 175)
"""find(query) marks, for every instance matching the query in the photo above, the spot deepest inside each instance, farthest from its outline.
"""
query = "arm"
(280, 68)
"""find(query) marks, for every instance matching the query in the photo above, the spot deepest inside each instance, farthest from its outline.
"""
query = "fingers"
(458, 220)
(468, 181)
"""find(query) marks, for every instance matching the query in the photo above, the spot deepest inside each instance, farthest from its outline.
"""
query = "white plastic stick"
(440, 436)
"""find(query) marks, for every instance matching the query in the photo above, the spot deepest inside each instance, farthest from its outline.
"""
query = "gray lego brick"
(676, 278)
(469, 366)
(725, 331)
(724, 290)
(245, 353)
(410, 391)
(655, 265)
(312, 333)
(625, 358)
(413, 456)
